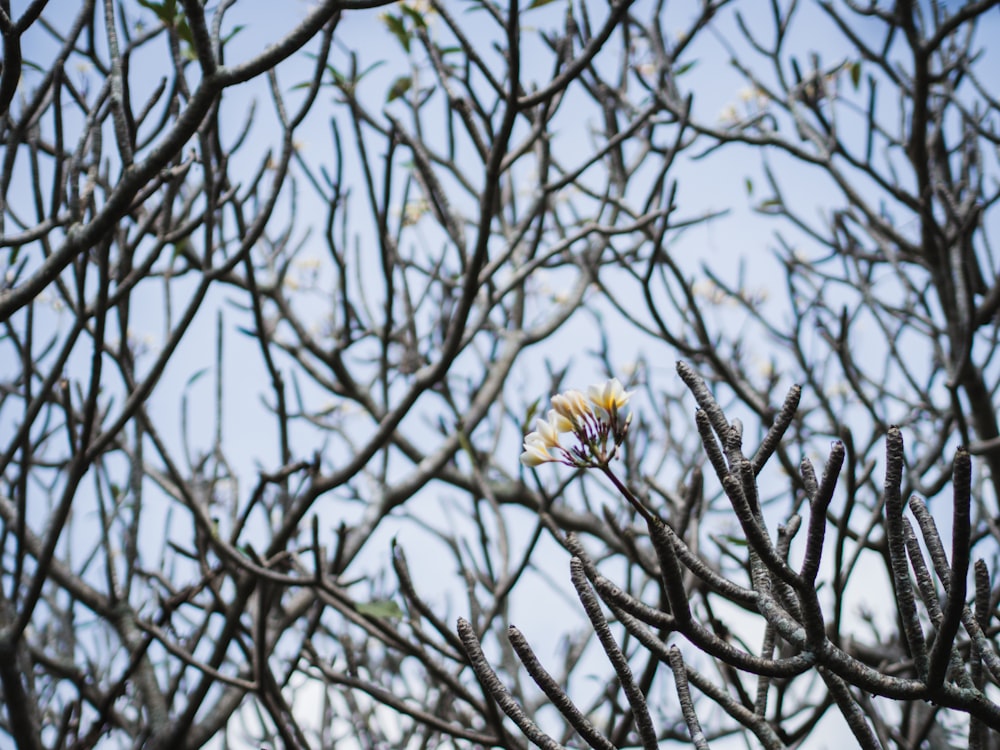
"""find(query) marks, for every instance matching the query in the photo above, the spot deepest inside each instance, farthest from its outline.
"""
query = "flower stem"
(627, 493)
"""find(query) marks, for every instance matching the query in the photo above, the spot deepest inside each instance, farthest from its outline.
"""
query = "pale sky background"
(716, 182)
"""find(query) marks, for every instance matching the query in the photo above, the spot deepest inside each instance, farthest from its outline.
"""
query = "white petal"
(558, 422)
(534, 455)
(571, 404)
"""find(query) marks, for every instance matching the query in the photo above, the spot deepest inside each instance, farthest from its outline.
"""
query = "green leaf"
(158, 9)
(398, 29)
(399, 87)
(417, 16)
(184, 32)
(537, 4)
(682, 69)
(748, 183)
(236, 30)
(736, 541)
(771, 205)
(382, 609)
(463, 441)
(530, 414)
(196, 377)
(180, 248)
(856, 74)
(165, 11)
(338, 78)
(369, 69)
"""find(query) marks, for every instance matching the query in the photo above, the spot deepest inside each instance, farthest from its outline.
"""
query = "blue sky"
(740, 240)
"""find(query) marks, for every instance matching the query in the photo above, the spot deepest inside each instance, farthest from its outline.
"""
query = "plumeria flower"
(556, 424)
(609, 396)
(535, 452)
(539, 444)
(572, 405)
(597, 421)
(609, 399)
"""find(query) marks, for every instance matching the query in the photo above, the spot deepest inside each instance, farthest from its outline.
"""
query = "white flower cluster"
(598, 420)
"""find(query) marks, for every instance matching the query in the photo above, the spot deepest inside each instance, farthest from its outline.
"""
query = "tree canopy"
(288, 289)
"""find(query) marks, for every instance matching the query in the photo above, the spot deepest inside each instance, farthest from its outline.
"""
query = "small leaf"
(196, 377)
(682, 69)
(184, 32)
(734, 540)
(181, 247)
(159, 9)
(530, 414)
(338, 77)
(856, 74)
(398, 29)
(463, 441)
(770, 206)
(236, 30)
(538, 4)
(369, 69)
(399, 87)
(748, 183)
(796, 71)
(417, 16)
(382, 609)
